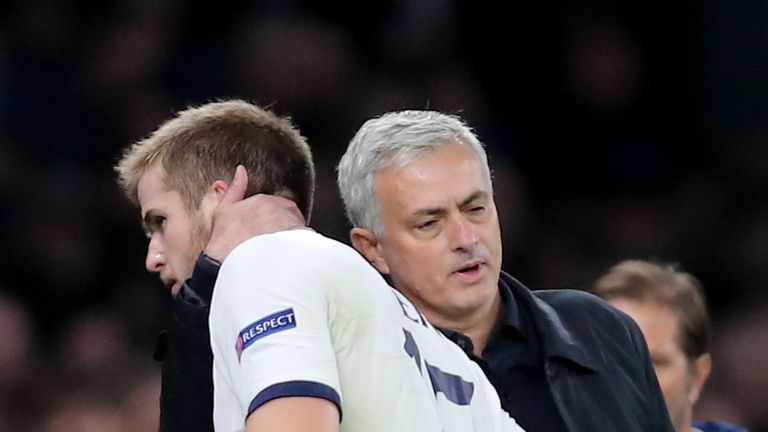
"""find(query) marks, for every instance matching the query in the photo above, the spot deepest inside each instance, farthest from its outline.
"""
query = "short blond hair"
(204, 144)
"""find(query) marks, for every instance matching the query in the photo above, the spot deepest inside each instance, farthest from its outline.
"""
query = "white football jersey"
(298, 314)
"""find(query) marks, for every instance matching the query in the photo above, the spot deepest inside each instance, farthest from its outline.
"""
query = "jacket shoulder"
(583, 312)
(576, 302)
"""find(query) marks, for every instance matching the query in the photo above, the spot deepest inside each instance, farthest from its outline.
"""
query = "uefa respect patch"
(275, 323)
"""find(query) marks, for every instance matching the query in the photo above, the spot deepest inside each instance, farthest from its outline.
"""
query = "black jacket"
(186, 396)
(596, 362)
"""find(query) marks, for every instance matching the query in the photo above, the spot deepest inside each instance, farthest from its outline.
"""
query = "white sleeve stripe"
(296, 388)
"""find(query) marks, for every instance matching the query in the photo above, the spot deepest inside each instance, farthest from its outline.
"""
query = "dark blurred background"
(616, 129)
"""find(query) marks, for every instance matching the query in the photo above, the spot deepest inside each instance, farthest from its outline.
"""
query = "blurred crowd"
(615, 130)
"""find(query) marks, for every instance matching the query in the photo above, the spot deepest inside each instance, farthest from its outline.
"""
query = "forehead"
(152, 192)
(659, 323)
(450, 172)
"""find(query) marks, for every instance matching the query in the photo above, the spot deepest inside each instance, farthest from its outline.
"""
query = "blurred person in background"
(75, 412)
(18, 354)
(17, 343)
(124, 401)
(669, 306)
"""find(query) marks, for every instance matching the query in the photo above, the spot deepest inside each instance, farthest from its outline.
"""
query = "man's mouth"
(471, 272)
(469, 268)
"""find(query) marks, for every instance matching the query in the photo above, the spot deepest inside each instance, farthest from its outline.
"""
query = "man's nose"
(464, 235)
(155, 260)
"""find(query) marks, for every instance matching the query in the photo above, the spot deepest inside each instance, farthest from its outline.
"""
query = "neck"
(686, 424)
(476, 325)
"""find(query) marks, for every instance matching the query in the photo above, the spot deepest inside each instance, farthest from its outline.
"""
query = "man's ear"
(213, 196)
(702, 366)
(370, 247)
(219, 189)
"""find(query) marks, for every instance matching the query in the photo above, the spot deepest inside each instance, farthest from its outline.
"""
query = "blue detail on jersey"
(412, 349)
(296, 388)
(452, 386)
(266, 326)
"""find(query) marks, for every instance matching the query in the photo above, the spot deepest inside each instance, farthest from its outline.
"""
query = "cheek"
(200, 236)
(177, 239)
(671, 379)
(418, 259)
(664, 377)
(181, 241)
(491, 238)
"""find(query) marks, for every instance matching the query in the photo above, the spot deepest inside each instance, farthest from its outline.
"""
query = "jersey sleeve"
(270, 325)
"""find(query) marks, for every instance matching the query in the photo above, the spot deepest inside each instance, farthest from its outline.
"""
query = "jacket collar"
(557, 340)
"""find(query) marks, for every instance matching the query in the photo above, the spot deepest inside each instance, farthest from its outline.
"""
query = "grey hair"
(394, 139)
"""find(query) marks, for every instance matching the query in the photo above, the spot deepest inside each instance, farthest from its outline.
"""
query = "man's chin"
(473, 296)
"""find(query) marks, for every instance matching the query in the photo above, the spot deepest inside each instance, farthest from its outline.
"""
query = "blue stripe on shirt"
(296, 389)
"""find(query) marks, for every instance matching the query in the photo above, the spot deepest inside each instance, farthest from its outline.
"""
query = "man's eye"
(477, 210)
(426, 225)
(155, 224)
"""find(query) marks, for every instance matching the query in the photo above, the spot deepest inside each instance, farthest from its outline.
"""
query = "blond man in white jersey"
(306, 336)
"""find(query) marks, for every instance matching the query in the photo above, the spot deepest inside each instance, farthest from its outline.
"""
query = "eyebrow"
(473, 197)
(149, 220)
(432, 211)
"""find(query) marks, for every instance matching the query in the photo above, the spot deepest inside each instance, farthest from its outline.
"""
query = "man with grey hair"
(418, 191)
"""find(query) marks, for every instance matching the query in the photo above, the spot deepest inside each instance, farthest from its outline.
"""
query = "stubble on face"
(201, 233)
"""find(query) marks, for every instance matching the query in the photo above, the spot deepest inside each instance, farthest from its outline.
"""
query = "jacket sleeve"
(186, 396)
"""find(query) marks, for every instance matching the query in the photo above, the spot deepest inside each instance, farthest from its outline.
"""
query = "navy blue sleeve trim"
(296, 388)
